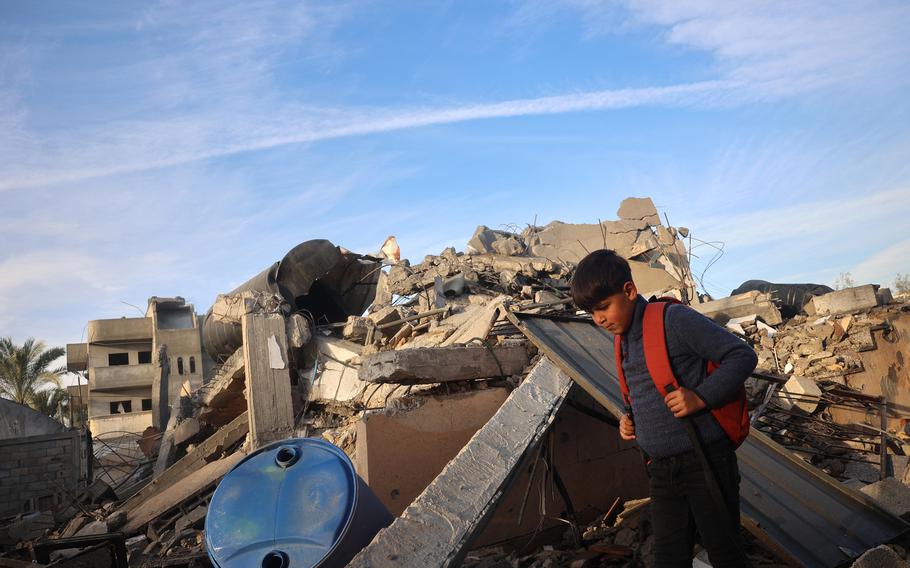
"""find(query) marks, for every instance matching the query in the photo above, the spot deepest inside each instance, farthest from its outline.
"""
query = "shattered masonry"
(466, 432)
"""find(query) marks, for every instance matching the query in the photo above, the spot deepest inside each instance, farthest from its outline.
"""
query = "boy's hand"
(626, 428)
(683, 402)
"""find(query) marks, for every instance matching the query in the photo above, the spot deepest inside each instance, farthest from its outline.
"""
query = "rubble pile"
(402, 365)
(620, 537)
(809, 400)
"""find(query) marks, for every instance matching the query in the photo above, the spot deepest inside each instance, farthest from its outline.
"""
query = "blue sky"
(177, 148)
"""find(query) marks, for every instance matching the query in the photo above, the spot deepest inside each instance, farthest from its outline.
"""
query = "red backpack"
(733, 417)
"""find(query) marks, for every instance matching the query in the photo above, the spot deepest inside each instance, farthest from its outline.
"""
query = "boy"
(680, 500)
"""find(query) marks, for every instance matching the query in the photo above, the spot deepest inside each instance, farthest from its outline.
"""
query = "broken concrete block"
(762, 326)
(231, 308)
(186, 430)
(843, 301)
(335, 376)
(891, 494)
(402, 335)
(884, 296)
(387, 319)
(441, 364)
(800, 392)
(486, 240)
(882, 556)
(638, 208)
(115, 520)
(357, 328)
(736, 328)
(741, 305)
(298, 330)
(548, 297)
(863, 471)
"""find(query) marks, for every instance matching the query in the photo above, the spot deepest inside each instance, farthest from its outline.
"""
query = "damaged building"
(469, 406)
(123, 360)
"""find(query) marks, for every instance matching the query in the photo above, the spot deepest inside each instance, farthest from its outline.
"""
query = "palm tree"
(52, 401)
(24, 369)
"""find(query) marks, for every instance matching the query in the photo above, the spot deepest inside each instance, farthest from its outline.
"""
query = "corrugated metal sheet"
(797, 509)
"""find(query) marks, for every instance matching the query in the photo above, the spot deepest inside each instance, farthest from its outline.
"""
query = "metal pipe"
(883, 466)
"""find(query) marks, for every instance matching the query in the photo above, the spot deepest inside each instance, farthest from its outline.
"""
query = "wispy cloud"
(130, 147)
(780, 48)
(795, 221)
(882, 266)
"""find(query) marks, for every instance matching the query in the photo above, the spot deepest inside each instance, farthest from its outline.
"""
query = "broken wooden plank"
(177, 492)
(268, 381)
(442, 364)
(221, 440)
(438, 527)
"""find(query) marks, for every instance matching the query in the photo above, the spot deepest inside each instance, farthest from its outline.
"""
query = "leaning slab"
(196, 458)
(438, 527)
(172, 495)
(442, 364)
(740, 305)
(222, 399)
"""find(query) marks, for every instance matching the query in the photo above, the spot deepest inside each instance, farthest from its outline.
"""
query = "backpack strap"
(654, 340)
(623, 385)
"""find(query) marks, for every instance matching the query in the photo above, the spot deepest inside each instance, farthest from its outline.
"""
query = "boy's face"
(614, 313)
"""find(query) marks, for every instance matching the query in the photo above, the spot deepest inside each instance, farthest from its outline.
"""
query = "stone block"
(800, 392)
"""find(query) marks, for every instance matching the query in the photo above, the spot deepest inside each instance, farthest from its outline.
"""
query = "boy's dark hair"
(600, 274)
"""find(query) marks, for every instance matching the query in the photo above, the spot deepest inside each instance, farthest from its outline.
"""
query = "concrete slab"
(843, 301)
(438, 527)
(740, 305)
(442, 364)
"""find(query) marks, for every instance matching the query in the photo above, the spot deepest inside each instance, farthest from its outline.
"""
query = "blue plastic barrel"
(292, 504)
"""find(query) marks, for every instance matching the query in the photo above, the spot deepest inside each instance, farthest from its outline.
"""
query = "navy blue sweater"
(692, 339)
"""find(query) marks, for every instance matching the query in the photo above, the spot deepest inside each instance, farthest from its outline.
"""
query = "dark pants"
(682, 505)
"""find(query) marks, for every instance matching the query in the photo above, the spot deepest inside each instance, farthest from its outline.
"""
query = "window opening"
(121, 406)
(114, 359)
